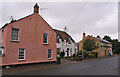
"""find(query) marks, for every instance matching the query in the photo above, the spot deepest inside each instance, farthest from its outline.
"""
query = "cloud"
(94, 18)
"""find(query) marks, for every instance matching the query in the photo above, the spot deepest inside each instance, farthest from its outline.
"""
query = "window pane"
(21, 53)
(15, 33)
(0, 52)
(45, 38)
(49, 53)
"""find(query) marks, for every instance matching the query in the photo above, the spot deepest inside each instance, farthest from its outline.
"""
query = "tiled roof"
(63, 34)
(100, 39)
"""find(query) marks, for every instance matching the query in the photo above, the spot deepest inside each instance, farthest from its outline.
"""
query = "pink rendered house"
(27, 40)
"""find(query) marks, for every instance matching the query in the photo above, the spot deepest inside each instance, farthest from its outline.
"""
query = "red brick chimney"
(84, 35)
(36, 8)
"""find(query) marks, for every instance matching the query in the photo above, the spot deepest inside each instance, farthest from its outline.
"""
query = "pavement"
(95, 66)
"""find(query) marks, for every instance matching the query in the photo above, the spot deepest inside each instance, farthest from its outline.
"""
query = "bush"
(76, 58)
(94, 54)
(85, 53)
(79, 52)
(62, 54)
(58, 52)
(91, 55)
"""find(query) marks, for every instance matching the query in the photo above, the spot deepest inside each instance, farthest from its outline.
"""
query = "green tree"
(98, 36)
(116, 46)
(107, 38)
(89, 45)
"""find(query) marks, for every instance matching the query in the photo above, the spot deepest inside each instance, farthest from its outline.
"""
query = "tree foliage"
(89, 45)
(107, 38)
(115, 46)
(98, 36)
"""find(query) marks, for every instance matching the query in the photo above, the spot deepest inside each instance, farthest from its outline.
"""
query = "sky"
(93, 18)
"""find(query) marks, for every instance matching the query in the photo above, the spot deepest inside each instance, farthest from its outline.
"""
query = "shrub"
(76, 58)
(79, 52)
(58, 52)
(62, 54)
(91, 55)
(85, 53)
(94, 54)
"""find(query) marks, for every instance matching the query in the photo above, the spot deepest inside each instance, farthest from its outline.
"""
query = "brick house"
(104, 47)
(27, 40)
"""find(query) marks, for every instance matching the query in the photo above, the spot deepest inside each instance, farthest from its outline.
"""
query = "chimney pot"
(36, 8)
(84, 35)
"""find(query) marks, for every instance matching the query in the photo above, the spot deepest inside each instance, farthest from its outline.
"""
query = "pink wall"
(31, 31)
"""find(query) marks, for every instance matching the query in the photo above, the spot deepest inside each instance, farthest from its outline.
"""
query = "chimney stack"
(36, 8)
(84, 35)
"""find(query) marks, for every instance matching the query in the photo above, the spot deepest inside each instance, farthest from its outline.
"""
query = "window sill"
(50, 58)
(15, 41)
(21, 60)
(45, 44)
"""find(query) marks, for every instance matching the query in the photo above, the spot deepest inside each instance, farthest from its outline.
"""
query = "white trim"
(2, 50)
(47, 38)
(15, 40)
(101, 44)
(50, 58)
(102, 52)
(24, 54)
(45, 43)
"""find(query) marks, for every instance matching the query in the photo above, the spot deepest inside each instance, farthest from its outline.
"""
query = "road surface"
(97, 66)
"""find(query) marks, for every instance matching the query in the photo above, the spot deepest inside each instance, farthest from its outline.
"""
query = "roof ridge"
(100, 39)
(63, 34)
(16, 21)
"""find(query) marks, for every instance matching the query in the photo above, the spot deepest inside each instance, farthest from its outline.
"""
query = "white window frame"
(71, 51)
(12, 35)
(69, 41)
(57, 39)
(102, 52)
(2, 52)
(64, 42)
(110, 52)
(24, 54)
(51, 53)
(101, 44)
(43, 38)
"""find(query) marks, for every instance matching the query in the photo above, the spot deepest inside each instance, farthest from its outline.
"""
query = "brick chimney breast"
(36, 8)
